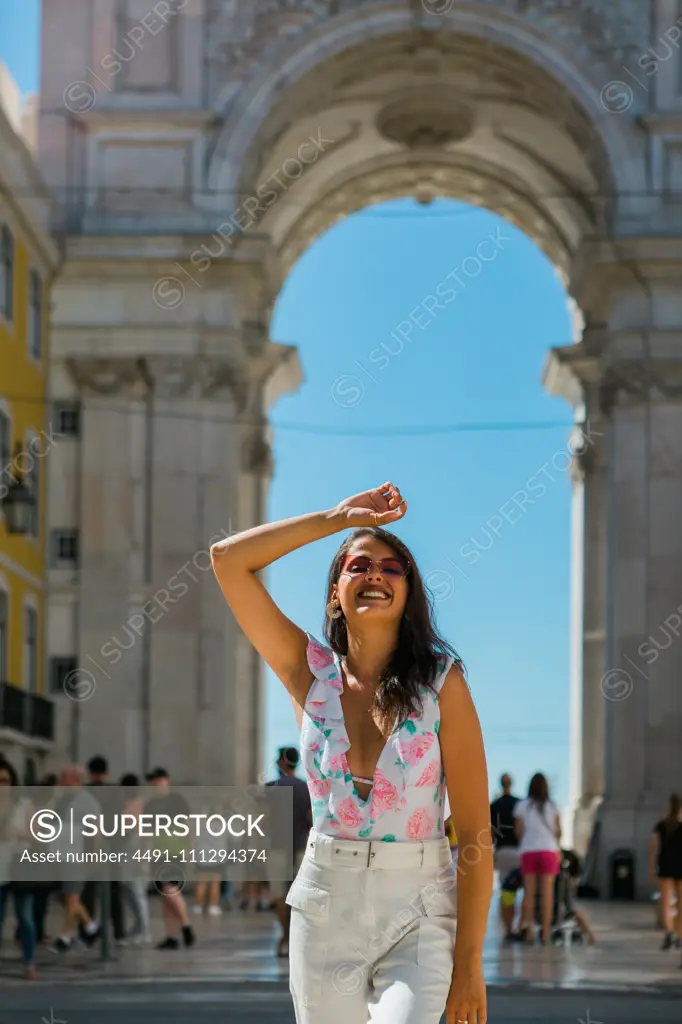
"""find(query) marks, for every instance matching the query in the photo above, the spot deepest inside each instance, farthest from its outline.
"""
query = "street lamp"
(18, 503)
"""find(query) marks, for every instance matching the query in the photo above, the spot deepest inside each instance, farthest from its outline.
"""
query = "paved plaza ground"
(238, 948)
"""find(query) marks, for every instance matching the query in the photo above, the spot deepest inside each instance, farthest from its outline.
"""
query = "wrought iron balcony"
(26, 713)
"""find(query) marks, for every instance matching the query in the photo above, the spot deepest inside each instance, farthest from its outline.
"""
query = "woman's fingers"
(468, 1015)
(394, 514)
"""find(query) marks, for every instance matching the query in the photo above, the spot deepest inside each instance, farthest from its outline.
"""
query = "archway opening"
(423, 331)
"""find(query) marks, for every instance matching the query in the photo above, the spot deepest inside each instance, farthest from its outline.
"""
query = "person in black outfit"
(665, 855)
(175, 916)
(506, 857)
(98, 772)
(504, 834)
(302, 823)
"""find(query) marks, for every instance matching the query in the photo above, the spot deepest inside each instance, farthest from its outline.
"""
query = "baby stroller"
(565, 926)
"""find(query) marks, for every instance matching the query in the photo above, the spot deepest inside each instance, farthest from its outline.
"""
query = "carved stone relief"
(122, 377)
(243, 35)
(641, 381)
(418, 120)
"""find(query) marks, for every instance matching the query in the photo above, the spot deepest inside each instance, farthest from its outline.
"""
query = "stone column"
(643, 762)
(255, 470)
(111, 531)
(191, 661)
(592, 466)
(573, 372)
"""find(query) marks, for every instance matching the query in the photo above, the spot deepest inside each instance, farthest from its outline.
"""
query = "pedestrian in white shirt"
(538, 829)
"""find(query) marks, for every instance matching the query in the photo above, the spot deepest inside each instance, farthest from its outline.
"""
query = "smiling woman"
(387, 724)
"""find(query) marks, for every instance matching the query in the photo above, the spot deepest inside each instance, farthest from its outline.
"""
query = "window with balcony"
(30, 650)
(5, 449)
(6, 273)
(4, 634)
(32, 481)
(35, 315)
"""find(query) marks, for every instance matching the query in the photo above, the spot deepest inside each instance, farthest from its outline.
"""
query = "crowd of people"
(128, 908)
(528, 857)
(81, 912)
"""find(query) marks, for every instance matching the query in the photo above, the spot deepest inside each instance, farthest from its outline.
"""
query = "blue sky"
(378, 403)
(500, 571)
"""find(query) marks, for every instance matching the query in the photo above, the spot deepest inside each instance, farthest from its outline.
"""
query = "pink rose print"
(319, 657)
(314, 747)
(420, 825)
(348, 814)
(319, 788)
(430, 776)
(417, 748)
(338, 763)
(384, 795)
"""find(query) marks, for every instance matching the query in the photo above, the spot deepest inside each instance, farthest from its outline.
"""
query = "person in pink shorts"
(538, 828)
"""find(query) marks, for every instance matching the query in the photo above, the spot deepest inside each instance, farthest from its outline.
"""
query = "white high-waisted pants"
(372, 932)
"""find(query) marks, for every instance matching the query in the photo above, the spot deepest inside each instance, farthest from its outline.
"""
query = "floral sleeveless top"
(406, 800)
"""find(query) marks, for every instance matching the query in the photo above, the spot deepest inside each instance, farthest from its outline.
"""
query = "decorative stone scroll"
(106, 377)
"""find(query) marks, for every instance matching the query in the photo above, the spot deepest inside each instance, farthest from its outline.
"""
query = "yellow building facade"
(28, 259)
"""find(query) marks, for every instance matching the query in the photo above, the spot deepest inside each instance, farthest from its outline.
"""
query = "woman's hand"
(378, 507)
(467, 997)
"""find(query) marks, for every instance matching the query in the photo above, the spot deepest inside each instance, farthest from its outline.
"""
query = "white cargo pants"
(372, 932)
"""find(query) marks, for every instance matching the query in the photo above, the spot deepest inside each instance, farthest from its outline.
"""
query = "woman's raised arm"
(237, 561)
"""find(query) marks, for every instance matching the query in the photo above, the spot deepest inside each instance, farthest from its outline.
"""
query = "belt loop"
(324, 850)
(313, 850)
(423, 856)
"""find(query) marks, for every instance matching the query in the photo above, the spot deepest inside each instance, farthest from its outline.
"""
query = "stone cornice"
(103, 117)
(123, 253)
(590, 370)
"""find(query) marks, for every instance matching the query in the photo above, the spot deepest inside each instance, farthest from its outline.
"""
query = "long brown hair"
(538, 792)
(420, 649)
(672, 818)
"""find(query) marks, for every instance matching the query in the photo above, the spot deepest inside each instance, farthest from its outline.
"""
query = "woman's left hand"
(467, 997)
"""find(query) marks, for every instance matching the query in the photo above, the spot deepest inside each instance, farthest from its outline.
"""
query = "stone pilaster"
(643, 754)
(111, 538)
(167, 443)
(630, 715)
(573, 372)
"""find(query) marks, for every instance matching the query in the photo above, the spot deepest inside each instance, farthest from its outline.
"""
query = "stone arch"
(309, 58)
(522, 130)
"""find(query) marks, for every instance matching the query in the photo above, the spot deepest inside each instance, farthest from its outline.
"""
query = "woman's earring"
(334, 610)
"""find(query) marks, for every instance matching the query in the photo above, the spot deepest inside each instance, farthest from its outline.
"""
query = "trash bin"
(622, 875)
